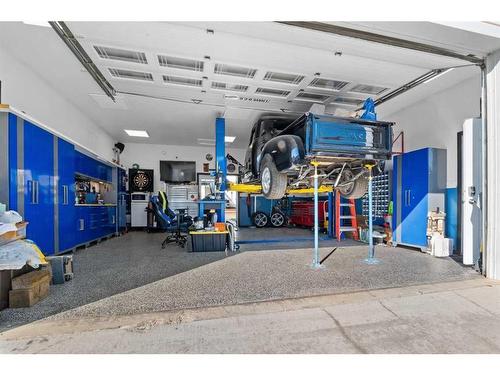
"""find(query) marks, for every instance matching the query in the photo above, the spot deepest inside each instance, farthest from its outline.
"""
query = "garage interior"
(105, 124)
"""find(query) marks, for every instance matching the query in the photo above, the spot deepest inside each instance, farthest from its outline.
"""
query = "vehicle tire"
(356, 190)
(260, 219)
(272, 181)
(277, 219)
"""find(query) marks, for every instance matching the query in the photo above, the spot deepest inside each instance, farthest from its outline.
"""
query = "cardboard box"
(30, 288)
(29, 279)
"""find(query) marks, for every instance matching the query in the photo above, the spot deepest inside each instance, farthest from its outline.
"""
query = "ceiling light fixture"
(137, 133)
(229, 139)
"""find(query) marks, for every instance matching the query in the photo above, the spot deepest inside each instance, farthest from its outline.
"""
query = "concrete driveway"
(452, 317)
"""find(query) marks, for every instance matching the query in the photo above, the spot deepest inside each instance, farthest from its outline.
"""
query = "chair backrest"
(162, 197)
(165, 217)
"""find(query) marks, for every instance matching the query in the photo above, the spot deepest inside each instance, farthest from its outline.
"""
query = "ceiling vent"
(237, 71)
(310, 97)
(131, 74)
(328, 84)
(180, 63)
(229, 87)
(348, 101)
(272, 92)
(293, 79)
(182, 81)
(367, 89)
(121, 55)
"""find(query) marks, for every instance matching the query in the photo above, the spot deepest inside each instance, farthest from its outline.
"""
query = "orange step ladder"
(341, 218)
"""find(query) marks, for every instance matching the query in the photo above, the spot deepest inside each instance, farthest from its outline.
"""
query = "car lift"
(222, 185)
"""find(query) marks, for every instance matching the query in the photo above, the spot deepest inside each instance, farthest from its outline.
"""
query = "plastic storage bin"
(203, 241)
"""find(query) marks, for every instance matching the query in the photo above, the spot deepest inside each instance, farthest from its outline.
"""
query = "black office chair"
(168, 220)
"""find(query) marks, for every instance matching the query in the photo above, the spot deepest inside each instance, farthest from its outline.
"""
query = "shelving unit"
(381, 197)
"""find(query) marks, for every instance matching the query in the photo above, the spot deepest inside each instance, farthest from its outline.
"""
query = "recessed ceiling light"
(137, 133)
(229, 139)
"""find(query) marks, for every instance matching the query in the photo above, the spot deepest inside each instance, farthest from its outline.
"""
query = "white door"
(471, 191)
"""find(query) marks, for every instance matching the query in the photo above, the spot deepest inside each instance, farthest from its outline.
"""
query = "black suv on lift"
(282, 148)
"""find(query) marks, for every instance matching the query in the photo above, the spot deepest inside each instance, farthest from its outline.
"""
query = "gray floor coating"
(131, 274)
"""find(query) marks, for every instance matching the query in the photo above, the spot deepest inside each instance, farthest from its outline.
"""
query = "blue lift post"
(220, 163)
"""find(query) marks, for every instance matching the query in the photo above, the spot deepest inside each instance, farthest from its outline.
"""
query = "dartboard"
(141, 180)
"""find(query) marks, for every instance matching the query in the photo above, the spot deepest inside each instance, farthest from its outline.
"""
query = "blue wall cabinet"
(39, 186)
(65, 216)
(419, 185)
(88, 166)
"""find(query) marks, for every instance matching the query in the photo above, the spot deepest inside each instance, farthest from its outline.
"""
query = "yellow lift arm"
(257, 189)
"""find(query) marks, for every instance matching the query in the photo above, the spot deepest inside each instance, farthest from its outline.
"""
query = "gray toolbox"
(62, 268)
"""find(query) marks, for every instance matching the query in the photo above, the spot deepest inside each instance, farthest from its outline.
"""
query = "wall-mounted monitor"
(177, 171)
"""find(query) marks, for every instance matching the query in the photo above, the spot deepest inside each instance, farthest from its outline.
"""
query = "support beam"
(316, 263)
(382, 39)
(491, 204)
(220, 162)
(371, 249)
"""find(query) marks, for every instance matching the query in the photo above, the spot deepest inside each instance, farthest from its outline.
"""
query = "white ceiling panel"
(174, 79)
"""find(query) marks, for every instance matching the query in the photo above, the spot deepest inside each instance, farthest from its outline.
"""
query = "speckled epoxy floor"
(131, 274)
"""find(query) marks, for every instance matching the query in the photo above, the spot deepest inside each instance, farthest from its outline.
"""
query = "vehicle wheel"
(277, 219)
(260, 219)
(356, 189)
(273, 182)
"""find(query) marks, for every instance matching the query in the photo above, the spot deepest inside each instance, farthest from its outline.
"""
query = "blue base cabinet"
(419, 186)
(94, 222)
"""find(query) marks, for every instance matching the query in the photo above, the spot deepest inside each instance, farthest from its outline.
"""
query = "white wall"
(26, 91)
(436, 120)
(149, 156)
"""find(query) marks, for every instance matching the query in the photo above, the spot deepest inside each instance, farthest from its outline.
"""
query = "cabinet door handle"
(35, 190)
(31, 189)
(409, 197)
(82, 224)
(65, 195)
(113, 220)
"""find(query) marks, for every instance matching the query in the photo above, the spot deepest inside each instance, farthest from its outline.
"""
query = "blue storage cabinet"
(38, 170)
(419, 185)
(121, 202)
(88, 166)
(39, 186)
(66, 196)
